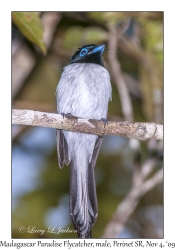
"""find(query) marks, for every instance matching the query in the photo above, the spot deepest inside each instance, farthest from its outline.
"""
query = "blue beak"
(100, 49)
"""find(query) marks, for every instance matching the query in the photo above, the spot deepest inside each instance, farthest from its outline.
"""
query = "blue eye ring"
(83, 52)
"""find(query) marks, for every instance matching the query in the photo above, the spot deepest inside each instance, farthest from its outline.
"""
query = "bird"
(84, 90)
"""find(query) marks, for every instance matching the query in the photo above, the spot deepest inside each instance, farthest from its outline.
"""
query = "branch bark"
(139, 131)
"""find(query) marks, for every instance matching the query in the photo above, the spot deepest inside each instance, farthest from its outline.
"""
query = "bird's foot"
(68, 115)
(105, 121)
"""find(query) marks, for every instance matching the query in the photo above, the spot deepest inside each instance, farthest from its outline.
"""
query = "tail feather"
(83, 200)
(62, 149)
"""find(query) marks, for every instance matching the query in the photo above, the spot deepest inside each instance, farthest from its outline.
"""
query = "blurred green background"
(42, 43)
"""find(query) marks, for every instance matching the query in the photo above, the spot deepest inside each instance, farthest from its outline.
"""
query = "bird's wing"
(62, 149)
(96, 150)
(92, 203)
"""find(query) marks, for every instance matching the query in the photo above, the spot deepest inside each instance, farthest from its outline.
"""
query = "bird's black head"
(89, 54)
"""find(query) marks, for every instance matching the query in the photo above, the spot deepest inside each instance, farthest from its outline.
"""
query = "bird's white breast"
(84, 90)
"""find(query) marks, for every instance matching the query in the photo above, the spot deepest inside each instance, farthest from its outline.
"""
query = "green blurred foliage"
(75, 35)
(142, 61)
(30, 25)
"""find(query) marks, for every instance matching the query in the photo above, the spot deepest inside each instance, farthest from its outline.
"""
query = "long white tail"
(83, 199)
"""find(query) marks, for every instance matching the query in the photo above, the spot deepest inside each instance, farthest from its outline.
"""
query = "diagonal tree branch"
(139, 131)
(114, 37)
(141, 185)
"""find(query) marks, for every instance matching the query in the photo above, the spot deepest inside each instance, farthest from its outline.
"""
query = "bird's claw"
(105, 121)
(68, 114)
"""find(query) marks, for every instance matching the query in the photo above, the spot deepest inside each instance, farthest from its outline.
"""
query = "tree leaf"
(30, 26)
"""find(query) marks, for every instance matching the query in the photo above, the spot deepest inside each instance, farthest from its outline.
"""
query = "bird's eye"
(83, 52)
